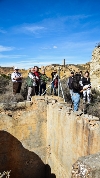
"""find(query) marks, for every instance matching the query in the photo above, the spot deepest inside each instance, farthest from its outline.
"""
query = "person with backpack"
(31, 83)
(77, 89)
(69, 83)
(86, 88)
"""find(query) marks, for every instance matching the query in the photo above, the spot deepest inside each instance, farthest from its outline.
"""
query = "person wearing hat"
(16, 78)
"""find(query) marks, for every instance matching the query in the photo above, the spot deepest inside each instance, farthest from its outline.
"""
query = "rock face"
(95, 69)
(43, 138)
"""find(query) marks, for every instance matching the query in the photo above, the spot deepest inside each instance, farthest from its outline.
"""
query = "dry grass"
(6, 94)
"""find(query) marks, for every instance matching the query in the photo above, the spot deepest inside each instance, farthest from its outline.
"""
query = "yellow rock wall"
(50, 129)
(69, 136)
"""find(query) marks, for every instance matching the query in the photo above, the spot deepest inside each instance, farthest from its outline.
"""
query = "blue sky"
(42, 32)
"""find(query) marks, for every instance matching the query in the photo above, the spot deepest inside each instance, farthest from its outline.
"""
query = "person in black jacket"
(77, 89)
(69, 83)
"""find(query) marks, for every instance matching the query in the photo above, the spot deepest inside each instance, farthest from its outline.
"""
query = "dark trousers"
(42, 88)
(37, 89)
(16, 87)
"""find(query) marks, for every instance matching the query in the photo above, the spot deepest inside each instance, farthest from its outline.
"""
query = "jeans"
(76, 100)
(52, 86)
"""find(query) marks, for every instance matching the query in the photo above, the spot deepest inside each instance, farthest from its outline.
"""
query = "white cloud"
(11, 56)
(54, 47)
(56, 27)
(29, 28)
(33, 29)
(5, 48)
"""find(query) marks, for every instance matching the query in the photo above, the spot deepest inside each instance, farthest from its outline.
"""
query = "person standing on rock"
(77, 89)
(53, 75)
(86, 88)
(81, 76)
(37, 74)
(16, 78)
(69, 83)
(43, 82)
(55, 83)
(31, 83)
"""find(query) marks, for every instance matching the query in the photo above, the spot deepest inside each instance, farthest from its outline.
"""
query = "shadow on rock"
(48, 172)
(21, 162)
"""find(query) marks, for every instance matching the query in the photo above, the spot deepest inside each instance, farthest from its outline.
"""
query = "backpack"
(70, 82)
(29, 82)
(75, 82)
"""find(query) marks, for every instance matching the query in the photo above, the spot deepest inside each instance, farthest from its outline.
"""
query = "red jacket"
(37, 74)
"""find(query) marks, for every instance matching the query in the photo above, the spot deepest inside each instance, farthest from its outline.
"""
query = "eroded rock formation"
(48, 127)
(95, 68)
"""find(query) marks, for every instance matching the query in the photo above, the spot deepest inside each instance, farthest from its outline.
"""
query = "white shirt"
(55, 76)
(14, 75)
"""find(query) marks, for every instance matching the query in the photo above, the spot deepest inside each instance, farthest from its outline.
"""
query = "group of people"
(36, 82)
(79, 86)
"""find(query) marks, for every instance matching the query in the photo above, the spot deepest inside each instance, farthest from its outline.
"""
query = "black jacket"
(85, 81)
(70, 80)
